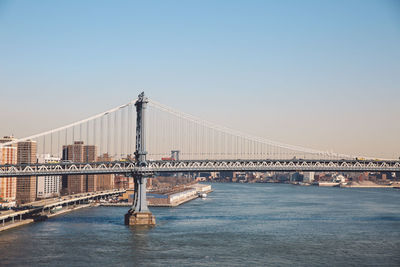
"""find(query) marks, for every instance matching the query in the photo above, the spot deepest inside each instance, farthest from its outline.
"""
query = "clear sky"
(321, 74)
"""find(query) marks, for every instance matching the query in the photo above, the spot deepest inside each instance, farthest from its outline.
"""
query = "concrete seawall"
(42, 209)
(17, 223)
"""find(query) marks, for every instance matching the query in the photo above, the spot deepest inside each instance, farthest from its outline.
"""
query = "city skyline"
(199, 133)
(284, 71)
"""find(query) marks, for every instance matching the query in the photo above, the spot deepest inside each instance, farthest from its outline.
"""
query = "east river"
(237, 225)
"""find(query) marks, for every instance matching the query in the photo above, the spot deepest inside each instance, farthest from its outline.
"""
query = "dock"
(170, 199)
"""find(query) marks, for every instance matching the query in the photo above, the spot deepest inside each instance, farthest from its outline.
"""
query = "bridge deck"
(125, 167)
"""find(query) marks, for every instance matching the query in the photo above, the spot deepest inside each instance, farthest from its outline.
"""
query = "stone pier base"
(140, 218)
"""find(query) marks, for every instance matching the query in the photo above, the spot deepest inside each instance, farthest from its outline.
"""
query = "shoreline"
(81, 206)
(16, 224)
(28, 221)
(70, 210)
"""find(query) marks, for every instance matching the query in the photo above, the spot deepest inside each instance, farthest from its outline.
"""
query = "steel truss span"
(123, 167)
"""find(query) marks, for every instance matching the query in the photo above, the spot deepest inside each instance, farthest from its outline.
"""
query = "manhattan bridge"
(138, 134)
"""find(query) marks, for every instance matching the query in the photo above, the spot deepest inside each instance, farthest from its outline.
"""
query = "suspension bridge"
(140, 135)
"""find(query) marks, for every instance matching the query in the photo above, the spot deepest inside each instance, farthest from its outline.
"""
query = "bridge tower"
(140, 214)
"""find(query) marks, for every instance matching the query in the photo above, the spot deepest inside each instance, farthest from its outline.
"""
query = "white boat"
(202, 195)
(56, 209)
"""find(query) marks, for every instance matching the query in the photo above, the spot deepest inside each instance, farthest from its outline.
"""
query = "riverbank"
(71, 209)
(11, 225)
(361, 184)
(15, 219)
(42, 210)
(16, 223)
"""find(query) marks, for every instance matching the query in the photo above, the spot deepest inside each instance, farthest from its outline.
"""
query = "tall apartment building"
(26, 185)
(105, 181)
(48, 186)
(78, 152)
(6, 139)
(308, 177)
(8, 185)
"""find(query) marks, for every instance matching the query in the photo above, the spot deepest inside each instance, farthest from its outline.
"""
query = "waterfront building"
(78, 152)
(363, 177)
(105, 181)
(122, 182)
(48, 186)
(296, 177)
(7, 139)
(26, 185)
(8, 185)
(308, 177)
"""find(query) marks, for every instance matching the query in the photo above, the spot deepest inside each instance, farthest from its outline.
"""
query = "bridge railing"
(127, 168)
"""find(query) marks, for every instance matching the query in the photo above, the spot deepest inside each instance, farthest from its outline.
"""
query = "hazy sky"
(320, 74)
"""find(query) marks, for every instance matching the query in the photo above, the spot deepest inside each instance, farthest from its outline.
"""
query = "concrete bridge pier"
(140, 214)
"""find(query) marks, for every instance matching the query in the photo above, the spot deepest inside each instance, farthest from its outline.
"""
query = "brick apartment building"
(78, 152)
(8, 185)
(105, 181)
(26, 185)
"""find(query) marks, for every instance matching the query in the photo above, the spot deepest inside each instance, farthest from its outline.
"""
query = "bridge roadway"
(126, 167)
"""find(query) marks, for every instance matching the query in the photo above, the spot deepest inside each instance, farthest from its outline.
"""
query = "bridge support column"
(140, 214)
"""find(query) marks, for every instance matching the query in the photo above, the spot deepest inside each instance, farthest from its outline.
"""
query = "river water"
(238, 224)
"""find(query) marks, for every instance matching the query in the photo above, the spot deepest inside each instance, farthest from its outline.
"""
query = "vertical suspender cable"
(87, 136)
(101, 136)
(115, 134)
(108, 135)
(58, 144)
(44, 145)
(66, 142)
(51, 144)
(94, 133)
(121, 126)
(129, 128)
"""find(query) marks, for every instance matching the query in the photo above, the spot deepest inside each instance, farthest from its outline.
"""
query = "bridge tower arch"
(139, 214)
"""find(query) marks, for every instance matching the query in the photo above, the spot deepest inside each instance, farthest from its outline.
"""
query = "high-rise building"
(78, 152)
(105, 181)
(48, 186)
(7, 139)
(26, 185)
(8, 185)
(308, 177)
(90, 155)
